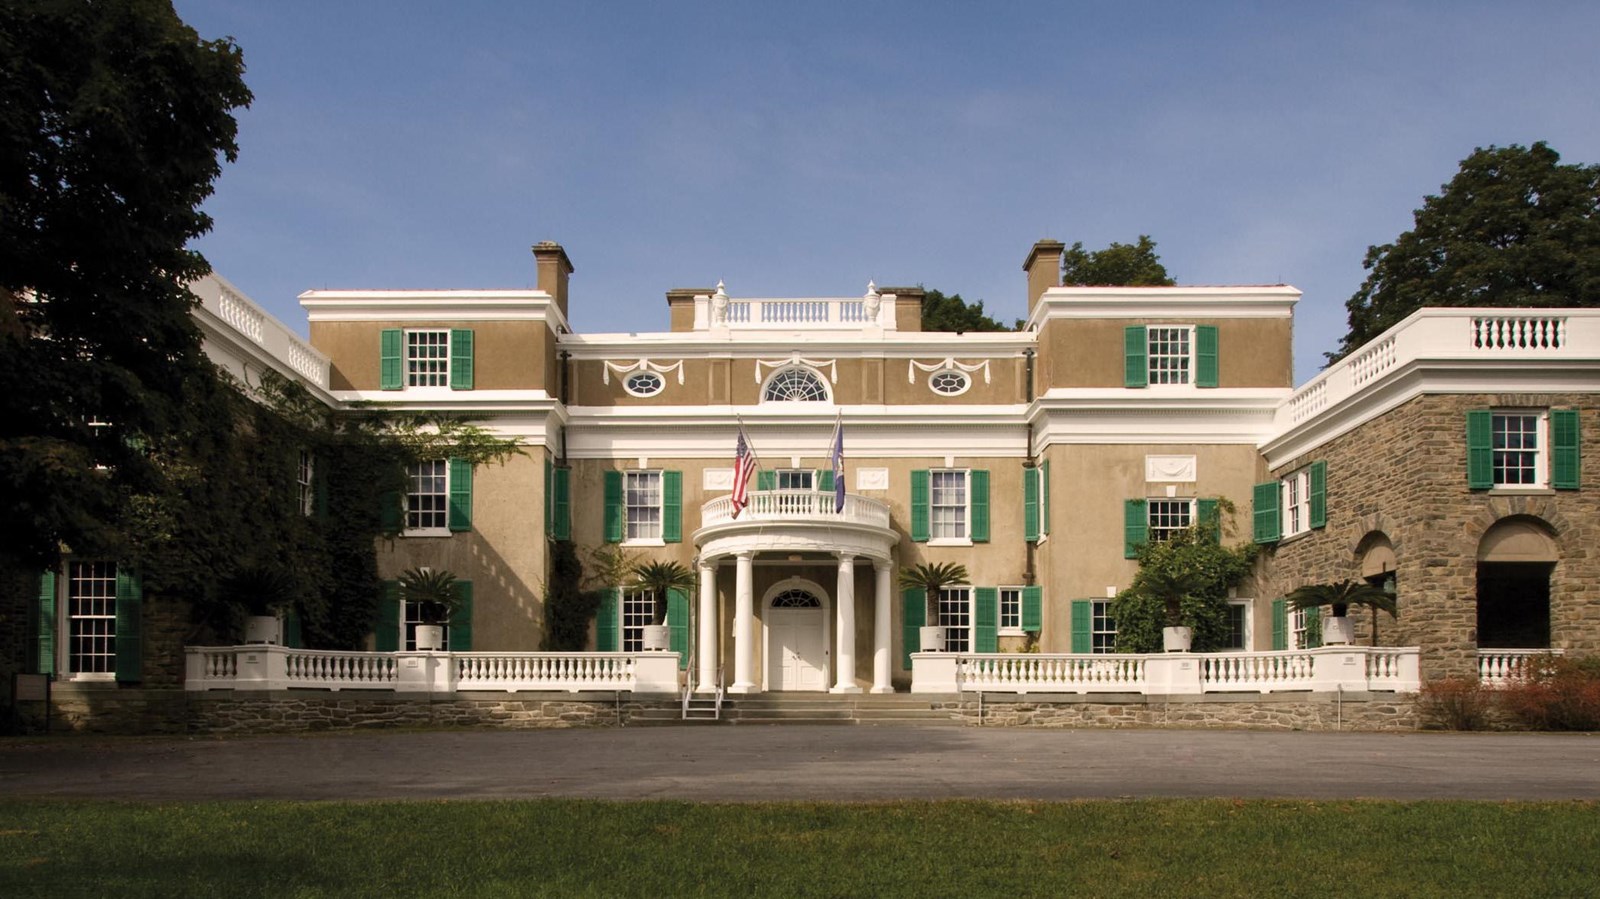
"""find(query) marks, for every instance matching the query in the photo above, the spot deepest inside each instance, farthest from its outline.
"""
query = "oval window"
(644, 383)
(949, 382)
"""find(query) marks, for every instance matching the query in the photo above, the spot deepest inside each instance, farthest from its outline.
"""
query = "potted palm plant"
(434, 593)
(659, 579)
(1172, 588)
(931, 579)
(1339, 598)
(265, 592)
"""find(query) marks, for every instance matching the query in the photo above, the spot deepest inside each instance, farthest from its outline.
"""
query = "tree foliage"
(1190, 573)
(952, 313)
(659, 579)
(1119, 265)
(568, 607)
(114, 119)
(931, 578)
(1514, 227)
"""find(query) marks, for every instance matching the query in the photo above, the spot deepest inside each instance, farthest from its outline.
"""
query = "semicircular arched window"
(796, 599)
(795, 385)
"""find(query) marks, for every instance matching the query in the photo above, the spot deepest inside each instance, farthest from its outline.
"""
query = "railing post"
(1173, 674)
(934, 672)
(1339, 668)
(655, 672)
(194, 668)
(263, 666)
(420, 672)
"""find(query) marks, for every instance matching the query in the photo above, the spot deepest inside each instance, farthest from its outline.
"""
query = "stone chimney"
(554, 267)
(1043, 268)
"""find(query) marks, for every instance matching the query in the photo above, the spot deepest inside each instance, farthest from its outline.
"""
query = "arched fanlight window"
(796, 599)
(795, 385)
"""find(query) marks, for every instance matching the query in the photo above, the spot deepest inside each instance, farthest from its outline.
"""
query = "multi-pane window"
(428, 496)
(1297, 503)
(955, 616)
(1011, 609)
(1169, 354)
(303, 481)
(795, 385)
(1238, 634)
(947, 507)
(638, 608)
(795, 478)
(1516, 449)
(642, 496)
(1168, 517)
(1102, 627)
(92, 617)
(410, 617)
(1301, 625)
(427, 358)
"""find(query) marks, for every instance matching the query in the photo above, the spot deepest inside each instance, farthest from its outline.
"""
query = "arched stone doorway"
(1378, 568)
(1515, 560)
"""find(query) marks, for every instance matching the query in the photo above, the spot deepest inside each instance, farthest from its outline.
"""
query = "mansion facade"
(1443, 462)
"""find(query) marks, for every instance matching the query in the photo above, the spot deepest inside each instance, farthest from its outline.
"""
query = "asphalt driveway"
(863, 763)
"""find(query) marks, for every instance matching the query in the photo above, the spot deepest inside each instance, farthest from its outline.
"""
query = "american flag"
(744, 468)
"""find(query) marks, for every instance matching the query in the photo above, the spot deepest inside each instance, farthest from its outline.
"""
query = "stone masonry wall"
(1276, 711)
(1404, 474)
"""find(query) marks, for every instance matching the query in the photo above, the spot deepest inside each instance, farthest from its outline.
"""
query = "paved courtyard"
(808, 763)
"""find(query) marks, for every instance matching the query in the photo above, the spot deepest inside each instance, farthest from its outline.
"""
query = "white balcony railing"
(788, 313)
(1497, 667)
(240, 314)
(1326, 669)
(1436, 334)
(797, 505)
(262, 666)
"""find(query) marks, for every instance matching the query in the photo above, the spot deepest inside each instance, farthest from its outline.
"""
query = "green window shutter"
(460, 359)
(1208, 511)
(606, 622)
(1082, 616)
(766, 480)
(919, 505)
(130, 645)
(45, 624)
(1205, 355)
(1280, 624)
(389, 511)
(825, 481)
(460, 512)
(1319, 494)
(1135, 527)
(461, 619)
(985, 619)
(391, 373)
(978, 494)
(1265, 514)
(1030, 504)
(614, 522)
(1044, 497)
(293, 633)
(561, 483)
(1313, 619)
(549, 498)
(678, 624)
(1480, 449)
(1033, 608)
(672, 506)
(1135, 362)
(1564, 467)
(914, 610)
(386, 631)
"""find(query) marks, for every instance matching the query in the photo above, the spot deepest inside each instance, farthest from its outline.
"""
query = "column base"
(847, 688)
(744, 688)
(883, 689)
(709, 689)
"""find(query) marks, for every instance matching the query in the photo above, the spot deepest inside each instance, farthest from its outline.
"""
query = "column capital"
(882, 565)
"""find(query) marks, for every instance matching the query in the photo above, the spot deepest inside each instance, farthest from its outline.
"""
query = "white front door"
(797, 650)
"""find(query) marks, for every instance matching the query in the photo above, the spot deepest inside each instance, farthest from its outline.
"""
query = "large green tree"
(1119, 265)
(952, 313)
(1514, 227)
(114, 120)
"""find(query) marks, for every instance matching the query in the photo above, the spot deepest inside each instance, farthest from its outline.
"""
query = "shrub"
(1454, 703)
(1558, 694)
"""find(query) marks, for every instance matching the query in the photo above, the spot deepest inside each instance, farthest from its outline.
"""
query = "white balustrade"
(810, 313)
(1497, 667)
(514, 671)
(1261, 672)
(335, 670)
(1517, 332)
(1052, 673)
(797, 505)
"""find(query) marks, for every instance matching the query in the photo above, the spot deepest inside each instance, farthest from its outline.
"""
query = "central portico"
(793, 564)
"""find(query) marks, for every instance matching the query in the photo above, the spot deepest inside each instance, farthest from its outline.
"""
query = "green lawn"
(579, 848)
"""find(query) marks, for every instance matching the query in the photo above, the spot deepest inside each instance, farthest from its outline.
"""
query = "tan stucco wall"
(1088, 353)
(505, 355)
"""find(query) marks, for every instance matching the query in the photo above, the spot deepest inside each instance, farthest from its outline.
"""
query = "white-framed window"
(1299, 625)
(1238, 636)
(642, 505)
(644, 383)
(427, 358)
(1167, 517)
(796, 479)
(428, 497)
(1519, 443)
(410, 617)
(1011, 611)
(955, 616)
(305, 473)
(949, 382)
(795, 385)
(1102, 627)
(948, 508)
(1170, 351)
(91, 618)
(638, 608)
(1296, 496)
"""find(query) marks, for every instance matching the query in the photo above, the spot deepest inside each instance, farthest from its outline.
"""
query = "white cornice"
(851, 345)
(432, 305)
(1115, 416)
(443, 399)
(1175, 303)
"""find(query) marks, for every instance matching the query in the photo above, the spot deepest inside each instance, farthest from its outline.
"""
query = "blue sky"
(801, 149)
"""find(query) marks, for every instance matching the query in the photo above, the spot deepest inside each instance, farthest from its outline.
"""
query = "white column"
(708, 628)
(743, 623)
(882, 644)
(844, 608)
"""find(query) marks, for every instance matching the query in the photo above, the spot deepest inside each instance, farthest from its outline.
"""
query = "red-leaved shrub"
(1454, 703)
(1557, 694)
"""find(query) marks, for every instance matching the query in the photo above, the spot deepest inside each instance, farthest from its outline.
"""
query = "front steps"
(806, 708)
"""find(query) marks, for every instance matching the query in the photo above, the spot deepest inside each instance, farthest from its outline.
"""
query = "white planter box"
(263, 629)
(1177, 639)
(655, 638)
(430, 637)
(931, 639)
(1336, 631)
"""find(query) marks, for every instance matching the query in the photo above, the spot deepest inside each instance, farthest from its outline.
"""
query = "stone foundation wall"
(1404, 474)
(1272, 711)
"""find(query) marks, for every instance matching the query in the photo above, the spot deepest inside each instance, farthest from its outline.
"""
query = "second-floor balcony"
(797, 506)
